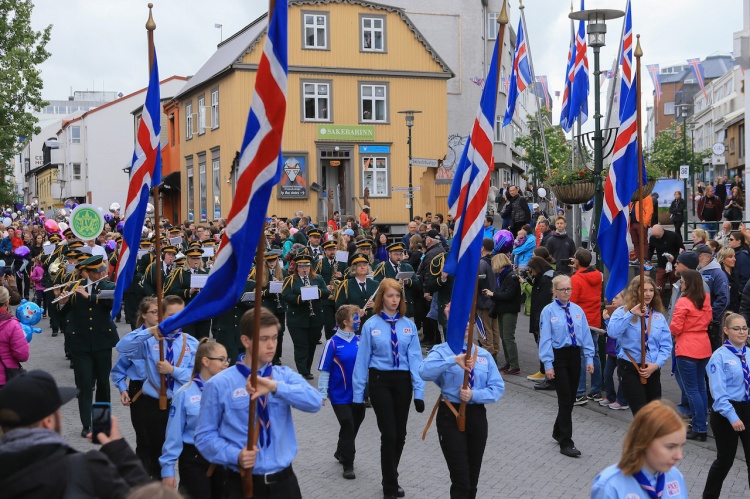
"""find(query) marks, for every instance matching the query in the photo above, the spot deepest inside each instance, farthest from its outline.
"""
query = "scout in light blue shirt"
(554, 333)
(625, 327)
(727, 382)
(127, 369)
(612, 483)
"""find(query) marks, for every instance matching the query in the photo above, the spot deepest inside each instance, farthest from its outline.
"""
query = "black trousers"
(194, 483)
(140, 422)
(90, 368)
(281, 317)
(350, 418)
(156, 429)
(390, 396)
(567, 366)
(52, 311)
(329, 319)
(463, 451)
(230, 338)
(305, 341)
(198, 330)
(286, 488)
(131, 301)
(636, 393)
(726, 448)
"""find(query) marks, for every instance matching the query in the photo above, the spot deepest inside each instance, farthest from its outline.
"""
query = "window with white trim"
(316, 30)
(317, 99)
(201, 115)
(214, 108)
(373, 34)
(499, 129)
(76, 171)
(202, 187)
(188, 121)
(375, 176)
(373, 103)
(75, 135)
(492, 26)
(216, 177)
(190, 188)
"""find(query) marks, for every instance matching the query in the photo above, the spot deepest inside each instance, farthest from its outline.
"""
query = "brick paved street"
(521, 459)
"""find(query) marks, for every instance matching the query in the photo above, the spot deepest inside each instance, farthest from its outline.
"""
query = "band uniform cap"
(54, 238)
(169, 249)
(194, 252)
(329, 244)
(73, 253)
(68, 232)
(31, 397)
(365, 243)
(209, 242)
(180, 258)
(271, 255)
(358, 258)
(145, 243)
(118, 239)
(194, 244)
(174, 230)
(395, 247)
(314, 232)
(303, 259)
(91, 263)
(75, 244)
(82, 256)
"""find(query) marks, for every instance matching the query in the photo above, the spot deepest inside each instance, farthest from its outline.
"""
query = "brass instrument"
(335, 283)
(54, 267)
(306, 282)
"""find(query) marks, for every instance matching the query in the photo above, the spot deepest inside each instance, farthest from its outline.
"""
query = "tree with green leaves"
(672, 149)
(22, 50)
(558, 149)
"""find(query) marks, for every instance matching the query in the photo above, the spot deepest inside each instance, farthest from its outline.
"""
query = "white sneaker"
(604, 402)
(617, 407)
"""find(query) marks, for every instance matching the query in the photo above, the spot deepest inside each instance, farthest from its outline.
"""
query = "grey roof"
(234, 48)
(714, 66)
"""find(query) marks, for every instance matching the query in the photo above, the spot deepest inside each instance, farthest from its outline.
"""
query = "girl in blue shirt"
(652, 448)
(335, 383)
(390, 355)
(729, 380)
(210, 359)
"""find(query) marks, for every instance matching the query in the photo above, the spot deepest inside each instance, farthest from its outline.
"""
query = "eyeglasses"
(737, 329)
(223, 360)
(564, 290)
(155, 312)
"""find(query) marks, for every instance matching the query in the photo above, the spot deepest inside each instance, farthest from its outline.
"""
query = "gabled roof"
(234, 48)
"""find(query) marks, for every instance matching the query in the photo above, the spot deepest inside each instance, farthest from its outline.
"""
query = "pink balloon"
(51, 226)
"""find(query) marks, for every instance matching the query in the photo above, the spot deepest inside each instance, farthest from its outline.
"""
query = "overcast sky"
(101, 44)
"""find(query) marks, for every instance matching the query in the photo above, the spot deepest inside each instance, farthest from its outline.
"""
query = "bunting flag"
(145, 172)
(607, 74)
(259, 170)
(697, 67)
(622, 180)
(579, 94)
(520, 75)
(467, 204)
(506, 85)
(477, 81)
(565, 121)
(653, 70)
(542, 88)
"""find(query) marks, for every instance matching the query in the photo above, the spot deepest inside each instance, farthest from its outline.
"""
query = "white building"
(99, 144)
(742, 55)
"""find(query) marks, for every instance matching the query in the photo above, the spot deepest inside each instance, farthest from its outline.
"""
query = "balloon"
(63, 226)
(503, 241)
(7, 221)
(51, 227)
(111, 245)
(41, 212)
(107, 217)
(8, 210)
(542, 192)
(14, 215)
(114, 207)
(22, 251)
(100, 209)
(120, 225)
(28, 207)
(61, 213)
(149, 208)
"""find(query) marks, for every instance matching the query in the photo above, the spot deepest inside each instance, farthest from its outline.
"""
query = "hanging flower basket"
(646, 191)
(576, 193)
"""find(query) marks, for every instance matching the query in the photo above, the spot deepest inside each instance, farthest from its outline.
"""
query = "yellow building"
(352, 67)
(48, 189)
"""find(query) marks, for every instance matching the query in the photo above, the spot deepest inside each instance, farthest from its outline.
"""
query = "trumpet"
(76, 285)
(335, 283)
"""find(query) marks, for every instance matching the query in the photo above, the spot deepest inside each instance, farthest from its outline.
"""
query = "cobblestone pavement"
(521, 459)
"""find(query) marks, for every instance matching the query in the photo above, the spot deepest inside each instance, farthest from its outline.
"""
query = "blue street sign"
(374, 149)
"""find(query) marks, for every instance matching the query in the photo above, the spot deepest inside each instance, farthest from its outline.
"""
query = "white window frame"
(310, 20)
(316, 86)
(669, 109)
(374, 100)
(216, 181)
(76, 176)
(492, 23)
(201, 115)
(376, 164)
(202, 188)
(499, 129)
(188, 121)
(372, 30)
(190, 188)
(214, 109)
(73, 138)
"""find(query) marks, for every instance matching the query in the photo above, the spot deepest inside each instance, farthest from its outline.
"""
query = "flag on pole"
(520, 75)
(506, 84)
(697, 67)
(259, 171)
(622, 180)
(477, 81)
(467, 201)
(565, 122)
(541, 82)
(607, 74)
(145, 172)
(653, 70)
(579, 94)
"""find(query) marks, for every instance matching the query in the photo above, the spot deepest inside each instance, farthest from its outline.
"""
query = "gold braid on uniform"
(345, 287)
(287, 282)
(170, 279)
(381, 268)
(252, 273)
(436, 264)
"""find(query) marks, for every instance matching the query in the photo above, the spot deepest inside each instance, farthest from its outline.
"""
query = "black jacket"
(520, 213)
(677, 210)
(489, 282)
(508, 295)
(424, 267)
(560, 247)
(670, 243)
(735, 291)
(541, 296)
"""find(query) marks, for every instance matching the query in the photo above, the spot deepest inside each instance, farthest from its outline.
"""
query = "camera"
(524, 274)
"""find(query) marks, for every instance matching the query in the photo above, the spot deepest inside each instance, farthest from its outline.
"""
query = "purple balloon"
(22, 251)
(111, 245)
(503, 241)
(120, 225)
(107, 217)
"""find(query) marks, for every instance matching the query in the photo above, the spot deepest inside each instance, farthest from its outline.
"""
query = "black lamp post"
(409, 115)
(684, 115)
(596, 30)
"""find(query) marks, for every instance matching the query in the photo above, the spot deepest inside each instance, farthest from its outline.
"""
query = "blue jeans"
(684, 406)
(596, 378)
(711, 228)
(609, 382)
(693, 373)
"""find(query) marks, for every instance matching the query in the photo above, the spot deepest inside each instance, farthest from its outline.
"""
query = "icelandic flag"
(698, 70)
(565, 122)
(579, 95)
(653, 70)
(622, 180)
(145, 172)
(467, 201)
(520, 75)
(260, 168)
(541, 83)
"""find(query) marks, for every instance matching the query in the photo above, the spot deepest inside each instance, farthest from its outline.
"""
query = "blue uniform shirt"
(440, 366)
(183, 416)
(139, 344)
(726, 381)
(125, 369)
(554, 334)
(221, 432)
(337, 360)
(626, 329)
(611, 483)
(375, 351)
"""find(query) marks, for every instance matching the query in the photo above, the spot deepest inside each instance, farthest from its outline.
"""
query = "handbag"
(12, 372)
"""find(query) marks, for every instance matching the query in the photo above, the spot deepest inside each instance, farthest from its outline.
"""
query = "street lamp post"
(684, 115)
(409, 115)
(596, 30)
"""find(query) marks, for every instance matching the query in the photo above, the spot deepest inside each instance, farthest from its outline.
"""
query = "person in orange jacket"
(638, 225)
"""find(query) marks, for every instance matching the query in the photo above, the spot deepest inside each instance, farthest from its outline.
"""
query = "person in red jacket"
(587, 294)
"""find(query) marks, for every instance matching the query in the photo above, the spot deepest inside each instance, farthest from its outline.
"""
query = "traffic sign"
(408, 195)
(684, 171)
(425, 162)
(400, 189)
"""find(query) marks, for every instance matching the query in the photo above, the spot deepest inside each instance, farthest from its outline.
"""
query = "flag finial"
(520, 4)
(150, 24)
(503, 17)
(638, 50)
(571, 5)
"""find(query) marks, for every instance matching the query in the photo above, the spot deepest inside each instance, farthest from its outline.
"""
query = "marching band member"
(221, 433)
(47, 281)
(653, 445)
(365, 246)
(335, 383)
(180, 285)
(226, 327)
(304, 317)
(389, 356)
(329, 269)
(210, 359)
(314, 249)
(359, 288)
(391, 269)
(273, 270)
(168, 254)
(179, 356)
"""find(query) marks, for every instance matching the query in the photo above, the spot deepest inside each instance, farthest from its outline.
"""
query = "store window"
(375, 176)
